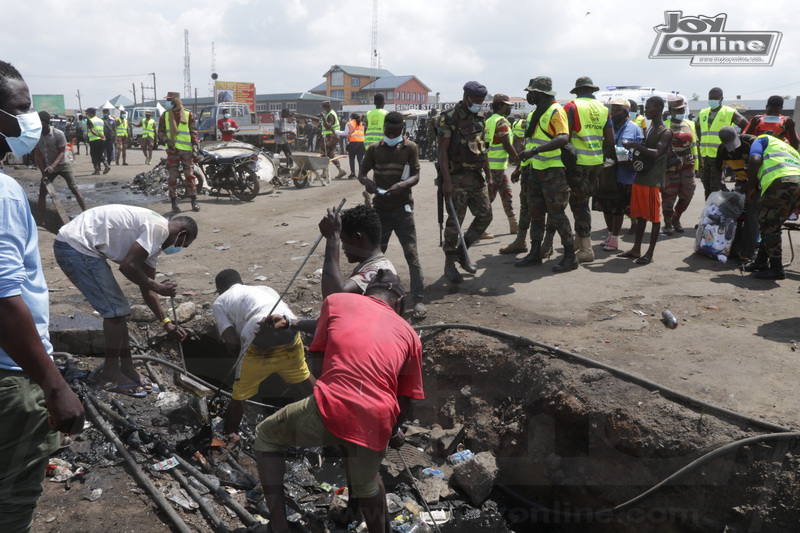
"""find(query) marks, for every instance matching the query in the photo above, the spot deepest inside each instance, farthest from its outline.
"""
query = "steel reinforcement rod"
(643, 382)
(136, 471)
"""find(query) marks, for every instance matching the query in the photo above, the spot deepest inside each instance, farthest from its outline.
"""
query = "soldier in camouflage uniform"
(548, 192)
(774, 168)
(465, 169)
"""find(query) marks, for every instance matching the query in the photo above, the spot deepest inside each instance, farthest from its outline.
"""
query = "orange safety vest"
(356, 132)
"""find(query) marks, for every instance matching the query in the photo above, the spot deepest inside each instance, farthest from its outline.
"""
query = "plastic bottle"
(669, 319)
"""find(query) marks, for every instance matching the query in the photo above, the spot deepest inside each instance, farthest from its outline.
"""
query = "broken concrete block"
(431, 488)
(185, 312)
(78, 334)
(445, 441)
(337, 511)
(476, 477)
(142, 313)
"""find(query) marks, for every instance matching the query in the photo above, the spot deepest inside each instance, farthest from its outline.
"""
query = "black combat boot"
(775, 270)
(569, 261)
(533, 258)
(175, 208)
(195, 207)
(760, 263)
(450, 270)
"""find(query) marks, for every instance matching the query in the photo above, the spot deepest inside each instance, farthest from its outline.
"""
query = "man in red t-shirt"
(227, 126)
(371, 370)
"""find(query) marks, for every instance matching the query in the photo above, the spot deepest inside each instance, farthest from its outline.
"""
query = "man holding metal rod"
(465, 169)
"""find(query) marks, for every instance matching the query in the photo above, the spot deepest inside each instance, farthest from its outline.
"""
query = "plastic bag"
(717, 226)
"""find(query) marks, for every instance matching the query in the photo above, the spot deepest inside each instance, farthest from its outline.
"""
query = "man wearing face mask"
(774, 123)
(464, 166)
(394, 162)
(710, 120)
(35, 401)
(227, 126)
(132, 237)
(500, 139)
(329, 122)
(122, 137)
(548, 192)
(177, 129)
(681, 166)
(97, 140)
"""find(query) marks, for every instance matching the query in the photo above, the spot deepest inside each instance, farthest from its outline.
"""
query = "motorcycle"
(235, 174)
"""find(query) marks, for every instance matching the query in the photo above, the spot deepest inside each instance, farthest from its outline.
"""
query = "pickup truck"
(251, 129)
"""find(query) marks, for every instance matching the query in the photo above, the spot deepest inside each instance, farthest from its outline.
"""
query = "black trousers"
(97, 150)
(356, 151)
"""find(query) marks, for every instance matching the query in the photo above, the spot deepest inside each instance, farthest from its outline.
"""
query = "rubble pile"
(153, 182)
(171, 443)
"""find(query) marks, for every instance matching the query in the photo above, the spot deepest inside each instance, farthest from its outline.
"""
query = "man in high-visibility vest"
(177, 130)
(709, 121)
(373, 131)
(591, 132)
(122, 137)
(329, 124)
(499, 138)
(97, 140)
(148, 125)
(773, 172)
(548, 193)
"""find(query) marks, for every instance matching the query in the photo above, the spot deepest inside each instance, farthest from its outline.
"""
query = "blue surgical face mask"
(227, 115)
(30, 127)
(392, 142)
(474, 108)
(172, 249)
(713, 104)
(774, 119)
(680, 116)
(632, 114)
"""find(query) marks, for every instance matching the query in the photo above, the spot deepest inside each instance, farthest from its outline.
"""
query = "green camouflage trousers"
(548, 197)
(469, 191)
(780, 200)
(583, 185)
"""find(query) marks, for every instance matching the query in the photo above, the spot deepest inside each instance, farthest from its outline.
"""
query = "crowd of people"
(365, 363)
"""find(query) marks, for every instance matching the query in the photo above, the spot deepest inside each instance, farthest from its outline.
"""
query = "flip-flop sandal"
(127, 389)
(144, 383)
(610, 248)
(628, 254)
(644, 260)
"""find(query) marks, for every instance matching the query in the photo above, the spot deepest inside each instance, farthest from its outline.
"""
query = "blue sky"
(102, 47)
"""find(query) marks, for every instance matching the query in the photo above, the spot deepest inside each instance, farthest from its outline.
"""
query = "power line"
(90, 77)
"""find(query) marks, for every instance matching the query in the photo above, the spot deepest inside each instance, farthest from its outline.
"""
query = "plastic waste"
(461, 456)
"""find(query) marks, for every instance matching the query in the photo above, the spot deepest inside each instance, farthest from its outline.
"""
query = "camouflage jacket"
(467, 132)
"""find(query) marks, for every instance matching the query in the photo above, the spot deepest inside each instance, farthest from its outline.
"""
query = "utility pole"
(79, 100)
(155, 95)
(373, 62)
(133, 90)
(187, 73)
(212, 78)
(143, 88)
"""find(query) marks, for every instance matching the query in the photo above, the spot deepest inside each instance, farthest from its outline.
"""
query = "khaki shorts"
(288, 361)
(300, 424)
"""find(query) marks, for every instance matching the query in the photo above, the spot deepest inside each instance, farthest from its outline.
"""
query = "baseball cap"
(386, 279)
(729, 138)
(503, 98)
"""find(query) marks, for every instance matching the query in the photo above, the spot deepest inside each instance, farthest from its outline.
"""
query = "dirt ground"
(735, 345)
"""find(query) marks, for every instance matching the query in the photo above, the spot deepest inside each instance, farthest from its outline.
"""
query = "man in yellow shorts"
(239, 311)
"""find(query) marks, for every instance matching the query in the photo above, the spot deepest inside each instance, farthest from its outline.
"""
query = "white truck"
(135, 116)
(251, 129)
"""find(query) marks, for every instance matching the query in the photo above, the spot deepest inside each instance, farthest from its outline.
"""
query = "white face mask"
(774, 119)
(392, 142)
(226, 115)
(30, 127)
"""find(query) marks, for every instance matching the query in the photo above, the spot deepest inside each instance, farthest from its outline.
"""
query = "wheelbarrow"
(308, 167)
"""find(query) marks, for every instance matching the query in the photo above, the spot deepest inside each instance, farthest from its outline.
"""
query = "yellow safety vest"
(325, 130)
(498, 157)
(518, 129)
(543, 160)
(709, 136)
(641, 122)
(183, 139)
(97, 126)
(148, 129)
(122, 127)
(375, 120)
(779, 160)
(588, 142)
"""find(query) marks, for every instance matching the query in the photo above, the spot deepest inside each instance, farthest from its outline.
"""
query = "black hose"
(703, 459)
(646, 383)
